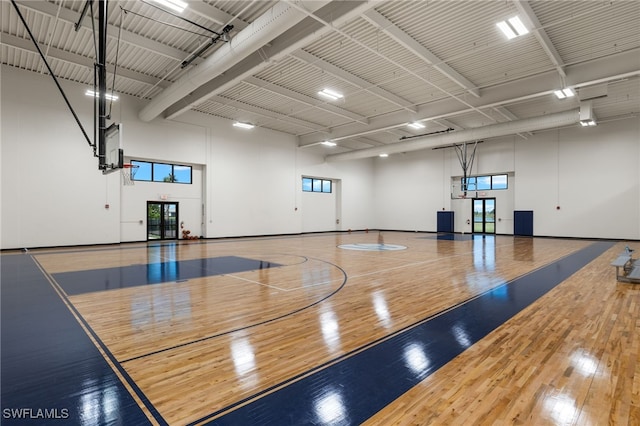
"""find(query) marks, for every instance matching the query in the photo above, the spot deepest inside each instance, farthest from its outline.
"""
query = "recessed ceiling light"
(564, 93)
(384, 155)
(108, 96)
(331, 94)
(586, 123)
(329, 143)
(243, 125)
(513, 27)
(519, 26)
(177, 5)
(416, 125)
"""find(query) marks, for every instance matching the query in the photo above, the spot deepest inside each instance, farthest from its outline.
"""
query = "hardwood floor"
(198, 342)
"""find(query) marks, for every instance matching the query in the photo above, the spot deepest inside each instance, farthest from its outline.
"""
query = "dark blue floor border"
(51, 370)
(352, 388)
(115, 278)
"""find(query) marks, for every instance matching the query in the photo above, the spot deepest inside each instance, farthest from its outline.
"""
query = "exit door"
(484, 215)
(162, 220)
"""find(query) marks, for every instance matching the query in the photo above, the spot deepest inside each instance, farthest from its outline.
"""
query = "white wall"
(52, 191)
(254, 184)
(245, 182)
(249, 182)
(592, 174)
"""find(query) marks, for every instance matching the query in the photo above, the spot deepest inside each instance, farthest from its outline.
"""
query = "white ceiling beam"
(531, 21)
(549, 121)
(422, 52)
(73, 58)
(215, 15)
(307, 100)
(448, 124)
(614, 67)
(353, 79)
(70, 16)
(267, 113)
(280, 47)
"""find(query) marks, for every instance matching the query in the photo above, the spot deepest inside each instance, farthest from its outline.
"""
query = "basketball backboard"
(114, 154)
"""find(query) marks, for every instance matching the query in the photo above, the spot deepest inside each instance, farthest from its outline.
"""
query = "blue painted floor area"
(354, 389)
(79, 282)
(51, 371)
(454, 237)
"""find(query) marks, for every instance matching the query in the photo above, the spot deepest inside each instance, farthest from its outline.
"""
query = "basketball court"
(320, 212)
(297, 330)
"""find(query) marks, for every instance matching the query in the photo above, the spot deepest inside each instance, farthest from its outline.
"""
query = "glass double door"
(484, 215)
(162, 220)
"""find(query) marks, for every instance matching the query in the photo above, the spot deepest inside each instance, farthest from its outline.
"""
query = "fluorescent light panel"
(564, 93)
(328, 143)
(384, 155)
(176, 5)
(331, 94)
(243, 125)
(513, 28)
(585, 123)
(416, 125)
(108, 96)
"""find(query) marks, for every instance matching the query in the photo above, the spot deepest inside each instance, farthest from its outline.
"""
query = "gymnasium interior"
(297, 212)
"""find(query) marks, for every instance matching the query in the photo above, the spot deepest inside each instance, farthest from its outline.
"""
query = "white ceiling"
(444, 63)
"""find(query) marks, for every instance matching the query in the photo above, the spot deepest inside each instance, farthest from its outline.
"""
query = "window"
(144, 170)
(307, 184)
(162, 172)
(316, 185)
(499, 182)
(484, 183)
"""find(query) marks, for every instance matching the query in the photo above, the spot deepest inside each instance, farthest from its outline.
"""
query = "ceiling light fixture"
(384, 155)
(331, 94)
(585, 123)
(177, 5)
(107, 96)
(513, 27)
(243, 125)
(416, 125)
(328, 143)
(564, 93)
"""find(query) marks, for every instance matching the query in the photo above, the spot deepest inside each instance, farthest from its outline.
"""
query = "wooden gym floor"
(393, 328)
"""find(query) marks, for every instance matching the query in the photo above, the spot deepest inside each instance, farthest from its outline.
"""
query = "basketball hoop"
(128, 172)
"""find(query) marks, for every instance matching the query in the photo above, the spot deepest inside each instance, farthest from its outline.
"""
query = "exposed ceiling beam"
(308, 100)
(448, 124)
(422, 52)
(353, 79)
(215, 15)
(300, 35)
(272, 24)
(549, 121)
(70, 16)
(73, 58)
(266, 113)
(613, 67)
(530, 20)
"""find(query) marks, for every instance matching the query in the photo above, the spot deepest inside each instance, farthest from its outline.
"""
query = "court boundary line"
(274, 388)
(340, 287)
(111, 360)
